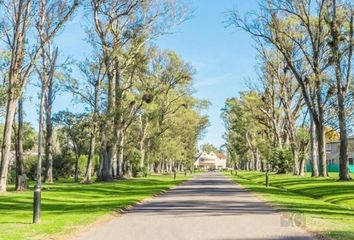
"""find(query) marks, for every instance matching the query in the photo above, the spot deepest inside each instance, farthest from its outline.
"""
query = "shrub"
(282, 160)
(140, 171)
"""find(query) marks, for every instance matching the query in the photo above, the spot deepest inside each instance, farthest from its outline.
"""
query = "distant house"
(210, 161)
(332, 156)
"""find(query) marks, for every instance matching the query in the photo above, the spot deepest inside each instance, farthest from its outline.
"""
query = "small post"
(37, 203)
(185, 172)
(235, 172)
(174, 172)
(267, 179)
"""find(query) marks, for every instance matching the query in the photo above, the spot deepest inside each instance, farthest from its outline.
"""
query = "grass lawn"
(67, 206)
(327, 204)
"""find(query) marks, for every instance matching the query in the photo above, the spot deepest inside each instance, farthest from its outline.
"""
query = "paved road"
(208, 207)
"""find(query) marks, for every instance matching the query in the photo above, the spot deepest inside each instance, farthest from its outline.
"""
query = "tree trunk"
(76, 176)
(143, 128)
(21, 178)
(321, 150)
(341, 91)
(142, 153)
(114, 165)
(108, 151)
(40, 138)
(313, 149)
(291, 127)
(6, 142)
(302, 167)
(320, 130)
(100, 165)
(121, 154)
(87, 178)
(107, 163)
(49, 135)
(148, 163)
(256, 159)
(343, 148)
(295, 154)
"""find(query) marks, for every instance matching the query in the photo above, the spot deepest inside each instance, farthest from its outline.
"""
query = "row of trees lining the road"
(305, 87)
(140, 114)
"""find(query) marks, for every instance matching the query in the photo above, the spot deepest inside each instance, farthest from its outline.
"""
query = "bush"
(30, 162)
(64, 165)
(31, 166)
(140, 171)
(282, 160)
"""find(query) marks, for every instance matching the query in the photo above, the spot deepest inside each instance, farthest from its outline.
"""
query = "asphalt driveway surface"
(208, 207)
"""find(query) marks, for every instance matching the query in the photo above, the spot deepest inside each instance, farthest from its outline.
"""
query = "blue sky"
(222, 57)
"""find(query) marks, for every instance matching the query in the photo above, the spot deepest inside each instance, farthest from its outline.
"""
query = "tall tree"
(286, 90)
(298, 30)
(341, 25)
(89, 92)
(120, 35)
(18, 21)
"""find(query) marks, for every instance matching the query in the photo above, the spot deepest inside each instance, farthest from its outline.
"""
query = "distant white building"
(210, 161)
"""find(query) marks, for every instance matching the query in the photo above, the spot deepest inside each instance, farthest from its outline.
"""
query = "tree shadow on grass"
(341, 234)
(74, 198)
(304, 205)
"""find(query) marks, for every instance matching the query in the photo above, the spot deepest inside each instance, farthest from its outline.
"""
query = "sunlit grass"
(66, 205)
(328, 204)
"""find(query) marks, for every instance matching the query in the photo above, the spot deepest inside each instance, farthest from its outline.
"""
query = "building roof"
(220, 155)
(211, 156)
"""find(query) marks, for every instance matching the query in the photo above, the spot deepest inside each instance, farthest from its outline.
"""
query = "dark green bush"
(282, 160)
(140, 171)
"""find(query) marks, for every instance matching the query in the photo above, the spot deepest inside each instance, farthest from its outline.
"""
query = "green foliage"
(208, 148)
(4, 63)
(30, 136)
(30, 168)
(2, 100)
(173, 121)
(73, 132)
(244, 133)
(282, 160)
(140, 171)
(64, 165)
(29, 133)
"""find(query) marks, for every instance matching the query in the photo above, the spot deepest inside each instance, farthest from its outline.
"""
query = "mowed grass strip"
(327, 204)
(67, 206)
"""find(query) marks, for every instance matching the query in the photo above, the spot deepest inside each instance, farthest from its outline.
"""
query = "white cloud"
(211, 81)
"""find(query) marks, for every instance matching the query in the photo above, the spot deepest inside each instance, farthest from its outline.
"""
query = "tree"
(341, 24)
(286, 98)
(89, 92)
(207, 147)
(76, 128)
(21, 179)
(298, 30)
(243, 131)
(120, 36)
(17, 23)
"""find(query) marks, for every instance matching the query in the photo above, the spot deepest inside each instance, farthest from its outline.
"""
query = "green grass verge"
(67, 206)
(327, 204)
